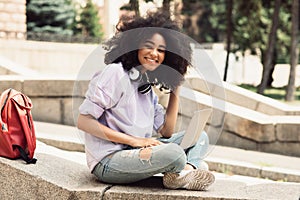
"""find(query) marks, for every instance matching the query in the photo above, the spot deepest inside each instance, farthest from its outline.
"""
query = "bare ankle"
(188, 167)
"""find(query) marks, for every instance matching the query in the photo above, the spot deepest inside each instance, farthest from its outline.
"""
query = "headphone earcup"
(145, 88)
(134, 74)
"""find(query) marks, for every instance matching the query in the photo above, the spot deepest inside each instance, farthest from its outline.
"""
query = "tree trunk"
(270, 49)
(166, 7)
(135, 6)
(229, 5)
(272, 69)
(290, 89)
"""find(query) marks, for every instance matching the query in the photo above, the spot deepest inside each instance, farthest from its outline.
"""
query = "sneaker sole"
(194, 180)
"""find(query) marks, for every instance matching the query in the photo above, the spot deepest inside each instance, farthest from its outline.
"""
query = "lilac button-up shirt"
(114, 100)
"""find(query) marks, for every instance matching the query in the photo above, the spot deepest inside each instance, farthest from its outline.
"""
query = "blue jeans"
(135, 164)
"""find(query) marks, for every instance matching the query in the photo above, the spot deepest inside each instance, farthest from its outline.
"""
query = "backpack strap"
(24, 155)
(7, 94)
(25, 105)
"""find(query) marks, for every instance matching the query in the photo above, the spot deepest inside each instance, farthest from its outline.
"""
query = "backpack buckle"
(4, 128)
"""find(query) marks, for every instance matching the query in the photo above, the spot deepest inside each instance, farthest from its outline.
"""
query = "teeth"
(151, 60)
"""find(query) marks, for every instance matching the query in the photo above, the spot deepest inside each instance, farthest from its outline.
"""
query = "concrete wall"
(52, 98)
(47, 57)
(67, 59)
(243, 70)
(57, 101)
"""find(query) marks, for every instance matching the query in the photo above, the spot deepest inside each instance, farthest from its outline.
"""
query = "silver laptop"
(195, 128)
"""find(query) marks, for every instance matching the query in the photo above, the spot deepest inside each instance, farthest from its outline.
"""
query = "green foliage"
(216, 17)
(284, 33)
(50, 16)
(210, 19)
(251, 25)
(251, 21)
(88, 23)
(277, 93)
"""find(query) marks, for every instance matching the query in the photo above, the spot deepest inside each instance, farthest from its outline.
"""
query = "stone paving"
(61, 174)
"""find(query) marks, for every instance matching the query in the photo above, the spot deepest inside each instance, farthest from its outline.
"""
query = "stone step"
(7, 66)
(255, 130)
(239, 96)
(60, 174)
(227, 160)
(232, 161)
(57, 174)
(240, 127)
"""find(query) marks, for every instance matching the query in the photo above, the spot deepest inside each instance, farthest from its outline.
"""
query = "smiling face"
(151, 52)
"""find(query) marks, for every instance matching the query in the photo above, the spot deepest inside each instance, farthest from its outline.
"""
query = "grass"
(264, 164)
(275, 93)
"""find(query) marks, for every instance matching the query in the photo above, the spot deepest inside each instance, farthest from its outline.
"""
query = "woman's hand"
(171, 114)
(145, 142)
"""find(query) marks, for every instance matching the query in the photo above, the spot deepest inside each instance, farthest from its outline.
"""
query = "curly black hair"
(123, 47)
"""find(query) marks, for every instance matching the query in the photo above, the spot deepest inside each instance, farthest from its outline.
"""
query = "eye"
(147, 46)
(161, 50)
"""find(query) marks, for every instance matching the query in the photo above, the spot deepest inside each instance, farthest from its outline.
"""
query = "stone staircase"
(232, 123)
(240, 174)
(62, 174)
(220, 158)
(239, 96)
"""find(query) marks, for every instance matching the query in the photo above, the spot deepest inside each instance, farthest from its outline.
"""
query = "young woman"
(121, 111)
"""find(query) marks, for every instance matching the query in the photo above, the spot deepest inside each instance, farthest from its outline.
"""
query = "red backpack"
(17, 135)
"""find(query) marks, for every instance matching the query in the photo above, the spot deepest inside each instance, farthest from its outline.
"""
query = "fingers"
(146, 142)
(152, 142)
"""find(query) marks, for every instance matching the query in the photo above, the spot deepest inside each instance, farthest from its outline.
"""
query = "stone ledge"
(11, 68)
(254, 129)
(241, 96)
(222, 189)
(52, 177)
(61, 175)
(220, 159)
(256, 126)
(60, 136)
(253, 170)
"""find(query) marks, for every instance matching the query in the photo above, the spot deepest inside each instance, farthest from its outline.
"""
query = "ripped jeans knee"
(145, 154)
(132, 165)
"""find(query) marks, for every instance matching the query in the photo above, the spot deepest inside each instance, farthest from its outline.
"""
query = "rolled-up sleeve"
(102, 93)
(159, 116)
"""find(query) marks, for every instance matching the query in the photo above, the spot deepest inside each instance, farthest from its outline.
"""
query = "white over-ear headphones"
(145, 88)
(134, 74)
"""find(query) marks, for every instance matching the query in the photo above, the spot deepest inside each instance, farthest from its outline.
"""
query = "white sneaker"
(203, 165)
(197, 179)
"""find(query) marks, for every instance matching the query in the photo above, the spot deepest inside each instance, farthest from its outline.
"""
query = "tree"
(133, 5)
(270, 49)
(204, 21)
(88, 24)
(50, 16)
(258, 14)
(166, 7)
(290, 89)
(229, 6)
(249, 14)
